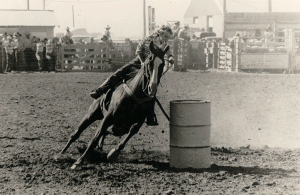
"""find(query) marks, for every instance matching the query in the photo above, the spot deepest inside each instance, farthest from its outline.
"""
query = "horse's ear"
(166, 48)
(151, 47)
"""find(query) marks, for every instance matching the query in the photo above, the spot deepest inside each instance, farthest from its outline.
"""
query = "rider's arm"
(139, 51)
(169, 56)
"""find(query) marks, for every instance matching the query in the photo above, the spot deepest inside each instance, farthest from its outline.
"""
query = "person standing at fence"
(1, 54)
(68, 36)
(39, 53)
(50, 59)
(16, 50)
(3, 40)
(27, 51)
(106, 37)
(233, 39)
(9, 50)
(176, 29)
(183, 33)
(269, 36)
(160, 38)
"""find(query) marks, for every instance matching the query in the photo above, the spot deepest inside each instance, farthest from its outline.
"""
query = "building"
(226, 17)
(39, 23)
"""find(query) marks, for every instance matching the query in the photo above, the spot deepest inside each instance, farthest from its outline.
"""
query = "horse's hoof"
(73, 167)
(58, 157)
(113, 155)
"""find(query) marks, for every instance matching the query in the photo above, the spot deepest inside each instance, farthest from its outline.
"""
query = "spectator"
(50, 59)
(257, 33)
(28, 52)
(9, 50)
(232, 41)
(16, 56)
(183, 33)
(68, 34)
(39, 53)
(106, 37)
(3, 56)
(269, 35)
(176, 29)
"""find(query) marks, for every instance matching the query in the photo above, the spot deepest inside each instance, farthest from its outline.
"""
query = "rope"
(162, 109)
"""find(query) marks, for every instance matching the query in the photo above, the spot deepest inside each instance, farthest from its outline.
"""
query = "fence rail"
(247, 53)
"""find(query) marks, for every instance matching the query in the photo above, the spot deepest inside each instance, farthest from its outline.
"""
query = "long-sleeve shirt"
(143, 49)
(9, 47)
(49, 48)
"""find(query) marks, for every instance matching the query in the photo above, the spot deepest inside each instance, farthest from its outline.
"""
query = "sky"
(125, 17)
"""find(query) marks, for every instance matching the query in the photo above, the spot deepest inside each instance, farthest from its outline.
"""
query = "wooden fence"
(85, 57)
(282, 54)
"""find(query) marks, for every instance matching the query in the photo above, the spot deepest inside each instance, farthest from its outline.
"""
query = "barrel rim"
(189, 101)
(176, 125)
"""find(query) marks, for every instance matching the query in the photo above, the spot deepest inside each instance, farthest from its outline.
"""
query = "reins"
(148, 98)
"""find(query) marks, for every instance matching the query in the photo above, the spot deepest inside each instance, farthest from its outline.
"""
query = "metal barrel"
(190, 126)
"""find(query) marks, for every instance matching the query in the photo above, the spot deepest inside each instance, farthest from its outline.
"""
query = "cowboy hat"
(107, 27)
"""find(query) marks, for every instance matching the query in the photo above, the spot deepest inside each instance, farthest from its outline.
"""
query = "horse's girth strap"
(137, 99)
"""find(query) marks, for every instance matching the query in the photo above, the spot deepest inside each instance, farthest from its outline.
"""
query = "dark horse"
(128, 107)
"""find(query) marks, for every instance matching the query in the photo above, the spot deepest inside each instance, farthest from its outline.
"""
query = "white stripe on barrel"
(190, 126)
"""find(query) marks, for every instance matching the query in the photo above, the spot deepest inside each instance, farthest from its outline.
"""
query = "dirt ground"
(254, 136)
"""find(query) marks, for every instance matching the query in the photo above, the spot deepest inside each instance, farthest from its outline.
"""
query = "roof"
(215, 7)
(260, 5)
(27, 18)
(202, 8)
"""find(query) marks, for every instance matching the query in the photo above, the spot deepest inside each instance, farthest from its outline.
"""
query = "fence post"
(62, 57)
(175, 53)
(1, 60)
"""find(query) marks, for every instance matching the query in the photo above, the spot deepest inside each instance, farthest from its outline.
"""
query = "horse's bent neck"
(137, 83)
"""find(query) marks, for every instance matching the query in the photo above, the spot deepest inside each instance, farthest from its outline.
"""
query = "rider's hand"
(171, 60)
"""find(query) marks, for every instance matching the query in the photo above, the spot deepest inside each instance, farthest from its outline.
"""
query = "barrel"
(190, 126)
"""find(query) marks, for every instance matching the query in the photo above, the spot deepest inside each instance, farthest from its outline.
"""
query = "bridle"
(144, 86)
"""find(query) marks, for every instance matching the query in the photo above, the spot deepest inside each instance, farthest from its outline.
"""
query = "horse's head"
(154, 67)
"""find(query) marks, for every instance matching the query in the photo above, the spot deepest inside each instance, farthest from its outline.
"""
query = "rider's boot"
(151, 118)
(112, 81)
(96, 93)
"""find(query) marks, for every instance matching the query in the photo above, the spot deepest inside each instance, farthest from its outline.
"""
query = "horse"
(127, 108)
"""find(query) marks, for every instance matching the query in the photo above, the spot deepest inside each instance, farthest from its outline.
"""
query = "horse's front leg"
(114, 153)
(84, 123)
(105, 123)
(101, 142)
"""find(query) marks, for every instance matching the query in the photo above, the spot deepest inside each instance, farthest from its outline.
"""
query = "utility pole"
(27, 4)
(224, 14)
(73, 15)
(144, 16)
(44, 5)
(270, 6)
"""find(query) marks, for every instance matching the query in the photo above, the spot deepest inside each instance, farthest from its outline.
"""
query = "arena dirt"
(254, 136)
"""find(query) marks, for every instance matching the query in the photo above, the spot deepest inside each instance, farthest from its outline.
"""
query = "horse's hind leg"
(84, 123)
(114, 153)
(101, 142)
(105, 123)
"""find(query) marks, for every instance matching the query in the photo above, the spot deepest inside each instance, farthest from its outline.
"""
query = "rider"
(159, 38)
